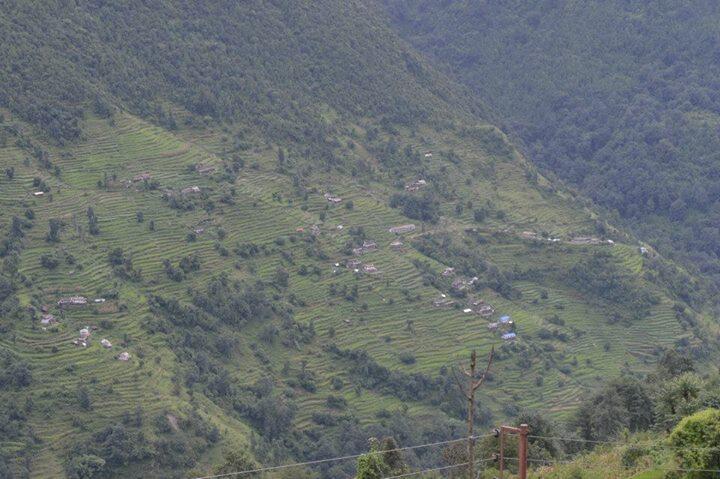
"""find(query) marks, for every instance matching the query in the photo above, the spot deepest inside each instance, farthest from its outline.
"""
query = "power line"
(625, 443)
(571, 439)
(339, 458)
(550, 462)
(435, 469)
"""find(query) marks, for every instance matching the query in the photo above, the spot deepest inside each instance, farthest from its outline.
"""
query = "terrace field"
(569, 338)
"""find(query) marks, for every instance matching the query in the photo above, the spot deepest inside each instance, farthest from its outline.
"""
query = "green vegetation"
(619, 99)
(190, 183)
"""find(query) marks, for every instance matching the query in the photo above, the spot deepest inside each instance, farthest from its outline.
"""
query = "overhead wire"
(338, 458)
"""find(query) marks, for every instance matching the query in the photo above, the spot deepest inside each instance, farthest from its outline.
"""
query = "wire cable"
(435, 469)
(625, 443)
(337, 459)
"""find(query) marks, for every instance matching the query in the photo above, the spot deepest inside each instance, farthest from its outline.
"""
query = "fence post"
(523, 450)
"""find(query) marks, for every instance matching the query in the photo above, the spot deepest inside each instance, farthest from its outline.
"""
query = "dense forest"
(617, 98)
(278, 66)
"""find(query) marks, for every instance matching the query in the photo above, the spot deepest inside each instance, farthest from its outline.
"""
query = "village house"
(142, 177)
(402, 229)
(505, 319)
(415, 185)
(124, 356)
(99, 300)
(643, 251)
(448, 272)
(315, 230)
(72, 301)
(366, 247)
(369, 245)
(190, 190)
(493, 326)
(106, 344)
(80, 343)
(204, 169)
(38, 193)
(530, 235)
(85, 333)
(485, 310)
(509, 336)
(48, 320)
(460, 284)
(332, 198)
(396, 245)
(370, 268)
(353, 263)
(585, 240)
(443, 302)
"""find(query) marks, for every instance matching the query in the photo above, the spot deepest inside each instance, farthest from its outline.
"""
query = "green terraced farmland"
(390, 315)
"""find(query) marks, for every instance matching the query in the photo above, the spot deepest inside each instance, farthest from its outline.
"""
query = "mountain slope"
(243, 334)
(619, 100)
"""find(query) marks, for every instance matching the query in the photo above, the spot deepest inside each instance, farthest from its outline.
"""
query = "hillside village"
(372, 253)
(227, 249)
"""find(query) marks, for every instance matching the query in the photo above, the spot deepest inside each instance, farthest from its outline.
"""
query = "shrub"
(406, 358)
(696, 439)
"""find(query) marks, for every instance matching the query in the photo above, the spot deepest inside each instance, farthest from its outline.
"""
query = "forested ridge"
(277, 65)
(619, 99)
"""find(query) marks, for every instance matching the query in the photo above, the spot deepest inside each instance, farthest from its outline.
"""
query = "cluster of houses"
(77, 301)
(576, 240)
(416, 185)
(505, 326)
(357, 266)
(142, 177)
(478, 306)
(366, 247)
(83, 340)
(84, 337)
(205, 169)
(531, 235)
(332, 198)
(72, 301)
(463, 284)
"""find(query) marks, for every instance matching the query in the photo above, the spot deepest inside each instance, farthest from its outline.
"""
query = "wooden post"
(471, 416)
(522, 451)
(502, 452)
(473, 386)
(522, 433)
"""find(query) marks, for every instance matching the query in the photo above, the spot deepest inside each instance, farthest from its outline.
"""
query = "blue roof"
(509, 335)
(504, 319)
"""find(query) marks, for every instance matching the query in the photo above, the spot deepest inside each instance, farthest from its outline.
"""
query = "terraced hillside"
(133, 234)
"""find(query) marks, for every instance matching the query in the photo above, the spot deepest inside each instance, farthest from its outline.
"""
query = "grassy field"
(392, 317)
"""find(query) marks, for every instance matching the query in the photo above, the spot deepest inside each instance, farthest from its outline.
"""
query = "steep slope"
(618, 99)
(218, 258)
